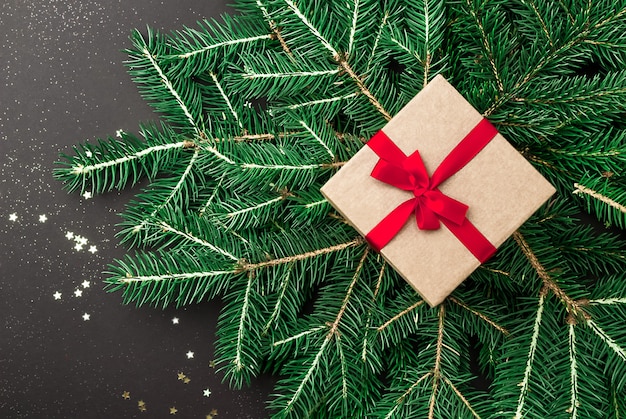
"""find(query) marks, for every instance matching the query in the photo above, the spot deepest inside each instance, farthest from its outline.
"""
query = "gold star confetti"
(186, 380)
(181, 376)
(173, 410)
(212, 364)
(126, 395)
(142, 406)
(214, 412)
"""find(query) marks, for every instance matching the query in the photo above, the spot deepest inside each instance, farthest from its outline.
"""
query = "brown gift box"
(500, 187)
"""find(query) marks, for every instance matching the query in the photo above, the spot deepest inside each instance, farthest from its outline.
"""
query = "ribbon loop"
(430, 206)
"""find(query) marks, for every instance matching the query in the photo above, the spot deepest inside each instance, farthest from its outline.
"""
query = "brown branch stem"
(346, 67)
(573, 307)
(248, 267)
(479, 314)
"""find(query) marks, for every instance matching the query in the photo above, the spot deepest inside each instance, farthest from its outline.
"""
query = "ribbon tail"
(472, 239)
(384, 231)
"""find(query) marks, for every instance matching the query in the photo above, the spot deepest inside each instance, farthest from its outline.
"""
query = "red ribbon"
(429, 204)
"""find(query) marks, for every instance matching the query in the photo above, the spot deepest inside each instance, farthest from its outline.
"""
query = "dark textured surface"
(62, 82)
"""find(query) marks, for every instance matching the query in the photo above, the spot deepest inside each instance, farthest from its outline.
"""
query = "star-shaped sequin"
(93, 249)
(13, 217)
(87, 195)
(78, 292)
(86, 316)
(206, 392)
(175, 320)
(86, 284)
(189, 355)
(43, 218)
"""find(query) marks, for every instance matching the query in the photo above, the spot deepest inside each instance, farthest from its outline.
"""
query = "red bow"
(429, 204)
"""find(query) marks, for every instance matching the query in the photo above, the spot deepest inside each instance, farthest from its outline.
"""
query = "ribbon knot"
(430, 206)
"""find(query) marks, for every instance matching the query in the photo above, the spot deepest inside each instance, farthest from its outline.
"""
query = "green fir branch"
(262, 108)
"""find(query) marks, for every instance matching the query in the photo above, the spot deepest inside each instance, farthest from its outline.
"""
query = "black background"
(62, 81)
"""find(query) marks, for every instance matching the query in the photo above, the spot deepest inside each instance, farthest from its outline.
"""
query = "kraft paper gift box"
(499, 188)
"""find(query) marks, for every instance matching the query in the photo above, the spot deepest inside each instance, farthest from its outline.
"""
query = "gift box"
(437, 190)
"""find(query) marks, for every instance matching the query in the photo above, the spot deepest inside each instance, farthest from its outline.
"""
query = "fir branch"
(280, 300)
(355, 15)
(382, 25)
(247, 267)
(145, 52)
(544, 28)
(300, 335)
(573, 307)
(80, 169)
(176, 190)
(369, 313)
(364, 90)
(399, 315)
(436, 372)
(574, 401)
(486, 43)
(332, 334)
(340, 59)
(225, 97)
(243, 319)
(222, 44)
(185, 276)
(318, 139)
(401, 399)
(196, 240)
(335, 325)
(581, 189)
(294, 8)
(252, 75)
(322, 101)
(609, 301)
(480, 315)
(608, 340)
(531, 356)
